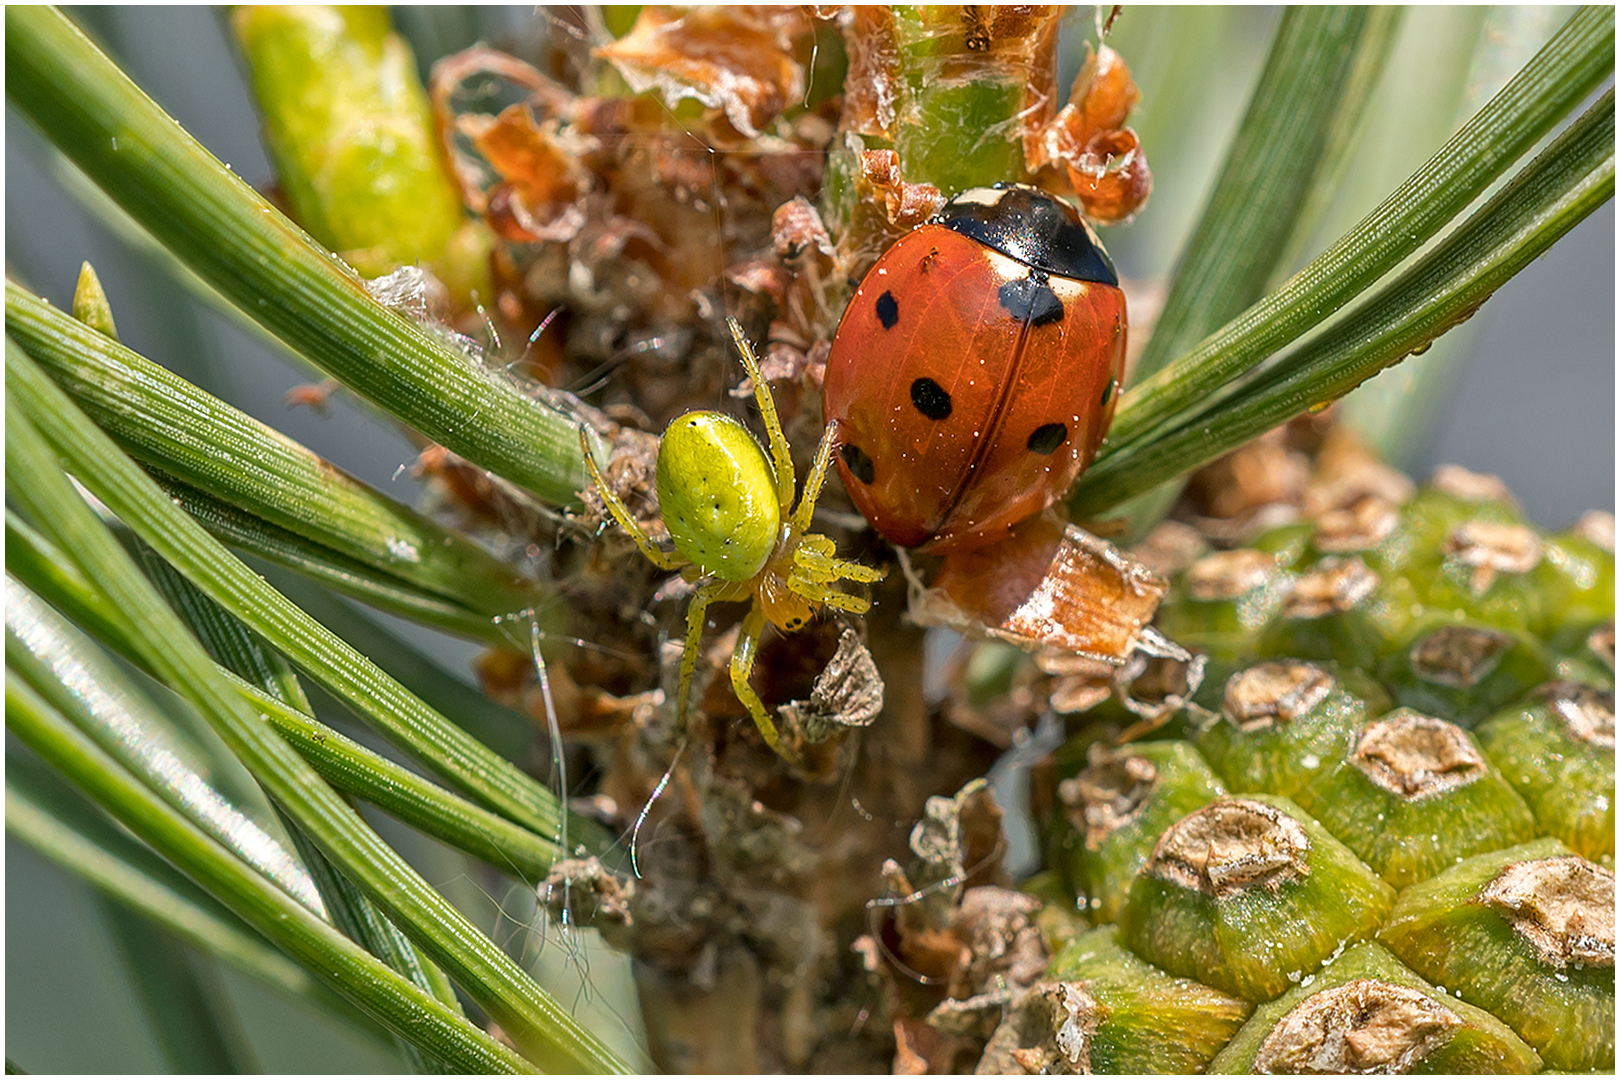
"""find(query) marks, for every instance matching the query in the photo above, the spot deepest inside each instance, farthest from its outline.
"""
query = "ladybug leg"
(621, 513)
(780, 458)
(742, 666)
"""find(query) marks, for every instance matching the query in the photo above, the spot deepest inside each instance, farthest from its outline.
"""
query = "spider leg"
(621, 513)
(833, 598)
(811, 563)
(818, 476)
(742, 666)
(697, 613)
(782, 460)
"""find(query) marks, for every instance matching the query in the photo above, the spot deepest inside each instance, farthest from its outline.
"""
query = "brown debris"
(761, 276)
(959, 838)
(598, 714)
(1102, 158)
(1333, 585)
(316, 396)
(1080, 682)
(1460, 656)
(1108, 794)
(1002, 946)
(1111, 176)
(1278, 690)
(474, 495)
(874, 63)
(1597, 527)
(906, 205)
(1102, 96)
(1490, 548)
(952, 948)
(1359, 1027)
(796, 228)
(542, 177)
(1046, 585)
(1158, 684)
(1562, 907)
(740, 60)
(1459, 483)
(1048, 1031)
(470, 68)
(1601, 642)
(587, 889)
(847, 694)
(922, 1048)
(1345, 472)
(632, 473)
(1228, 575)
(1587, 712)
(1169, 548)
(1364, 524)
(1415, 756)
(1255, 487)
(974, 1017)
(1230, 846)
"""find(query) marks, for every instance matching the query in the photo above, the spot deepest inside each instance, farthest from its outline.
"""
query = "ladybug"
(976, 369)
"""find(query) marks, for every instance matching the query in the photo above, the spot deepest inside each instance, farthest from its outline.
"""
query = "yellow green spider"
(730, 514)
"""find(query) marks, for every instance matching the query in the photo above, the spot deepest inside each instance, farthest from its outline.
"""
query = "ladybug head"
(1030, 225)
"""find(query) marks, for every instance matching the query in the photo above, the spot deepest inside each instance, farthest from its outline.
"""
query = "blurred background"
(1531, 397)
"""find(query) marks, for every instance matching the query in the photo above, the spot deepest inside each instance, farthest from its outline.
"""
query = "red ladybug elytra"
(975, 371)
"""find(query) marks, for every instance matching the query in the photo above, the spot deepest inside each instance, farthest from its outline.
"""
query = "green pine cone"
(1385, 823)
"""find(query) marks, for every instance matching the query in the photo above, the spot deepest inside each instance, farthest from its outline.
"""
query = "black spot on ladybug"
(1047, 438)
(931, 399)
(888, 311)
(1108, 391)
(1031, 300)
(860, 466)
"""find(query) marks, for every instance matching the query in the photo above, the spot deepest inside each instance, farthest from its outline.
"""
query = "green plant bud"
(1060, 917)
(1222, 602)
(1366, 1012)
(1335, 609)
(1414, 796)
(1585, 655)
(1576, 577)
(1147, 1021)
(1472, 557)
(1280, 724)
(1464, 672)
(1249, 895)
(1557, 751)
(1366, 527)
(1526, 933)
(1290, 545)
(1117, 807)
(90, 304)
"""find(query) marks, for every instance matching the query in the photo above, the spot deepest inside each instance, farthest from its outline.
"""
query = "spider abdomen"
(718, 494)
